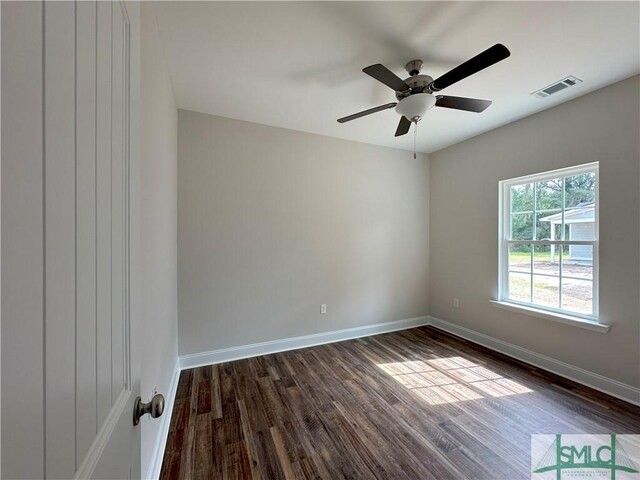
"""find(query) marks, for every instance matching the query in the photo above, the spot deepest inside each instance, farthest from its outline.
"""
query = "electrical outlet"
(456, 303)
(323, 309)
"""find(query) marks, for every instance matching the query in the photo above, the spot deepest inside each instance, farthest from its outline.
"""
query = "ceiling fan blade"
(386, 76)
(462, 103)
(479, 62)
(367, 112)
(403, 127)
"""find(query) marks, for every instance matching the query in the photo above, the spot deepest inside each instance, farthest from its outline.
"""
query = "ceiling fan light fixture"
(415, 94)
(415, 106)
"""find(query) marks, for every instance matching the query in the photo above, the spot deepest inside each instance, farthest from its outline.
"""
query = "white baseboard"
(275, 346)
(153, 472)
(596, 381)
(604, 384)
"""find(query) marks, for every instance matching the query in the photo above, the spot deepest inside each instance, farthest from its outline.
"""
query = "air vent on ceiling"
(570, 81)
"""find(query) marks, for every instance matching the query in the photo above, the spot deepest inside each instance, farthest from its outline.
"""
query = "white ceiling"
(298, 65)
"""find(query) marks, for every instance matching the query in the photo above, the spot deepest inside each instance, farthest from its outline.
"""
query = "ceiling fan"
(415, 94)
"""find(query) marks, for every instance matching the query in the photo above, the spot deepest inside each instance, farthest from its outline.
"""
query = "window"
(548, 241)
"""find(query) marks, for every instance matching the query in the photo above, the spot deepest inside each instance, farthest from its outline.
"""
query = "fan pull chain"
(415, 136)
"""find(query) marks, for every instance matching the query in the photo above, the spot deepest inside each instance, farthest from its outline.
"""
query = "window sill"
(556, 317)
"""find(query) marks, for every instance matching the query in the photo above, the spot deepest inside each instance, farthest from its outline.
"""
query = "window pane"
(520, 258)
(578, 261)
(521, 226)
(580, 224)
(579, 214)
(549, 195)
(549, 209)
(520, 286)
(577, 295)
(522, 198)
(577, 279)
(546, 291)
(579, 190)
(549, 225)
(546, 259)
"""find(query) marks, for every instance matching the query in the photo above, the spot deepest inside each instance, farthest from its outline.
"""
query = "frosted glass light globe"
(415, 106)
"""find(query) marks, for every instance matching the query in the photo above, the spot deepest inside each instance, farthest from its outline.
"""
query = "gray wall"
(158, 218)
(273, 222)
(603, 126)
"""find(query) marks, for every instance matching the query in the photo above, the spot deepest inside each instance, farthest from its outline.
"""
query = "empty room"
(320, 240)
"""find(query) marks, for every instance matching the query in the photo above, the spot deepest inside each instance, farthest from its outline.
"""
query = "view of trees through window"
(579, 191)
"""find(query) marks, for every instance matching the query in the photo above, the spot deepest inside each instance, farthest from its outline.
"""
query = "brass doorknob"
(154, 408)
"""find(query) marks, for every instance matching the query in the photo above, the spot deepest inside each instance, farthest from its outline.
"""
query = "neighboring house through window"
(548, 246)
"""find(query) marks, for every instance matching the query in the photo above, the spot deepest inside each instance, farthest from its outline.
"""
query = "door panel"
(117, 253)
(59, 238)
(103, 211)
(22, 241)
(86, 399)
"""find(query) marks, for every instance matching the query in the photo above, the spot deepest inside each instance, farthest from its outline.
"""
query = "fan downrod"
(413, 67)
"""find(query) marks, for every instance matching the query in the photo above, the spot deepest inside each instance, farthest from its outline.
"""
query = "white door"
(70, 370)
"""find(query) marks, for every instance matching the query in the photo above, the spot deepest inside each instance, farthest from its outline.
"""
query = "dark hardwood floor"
(415, 404)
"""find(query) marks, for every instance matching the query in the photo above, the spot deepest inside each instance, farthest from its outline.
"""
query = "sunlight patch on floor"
(450, 380)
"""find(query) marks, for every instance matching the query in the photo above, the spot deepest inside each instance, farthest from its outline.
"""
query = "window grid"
(506, 232)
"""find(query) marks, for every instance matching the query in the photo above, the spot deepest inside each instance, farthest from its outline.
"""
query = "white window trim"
(556, 317)
(565, 316)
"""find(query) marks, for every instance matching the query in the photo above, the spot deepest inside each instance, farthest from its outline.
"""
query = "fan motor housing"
(418, 84)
